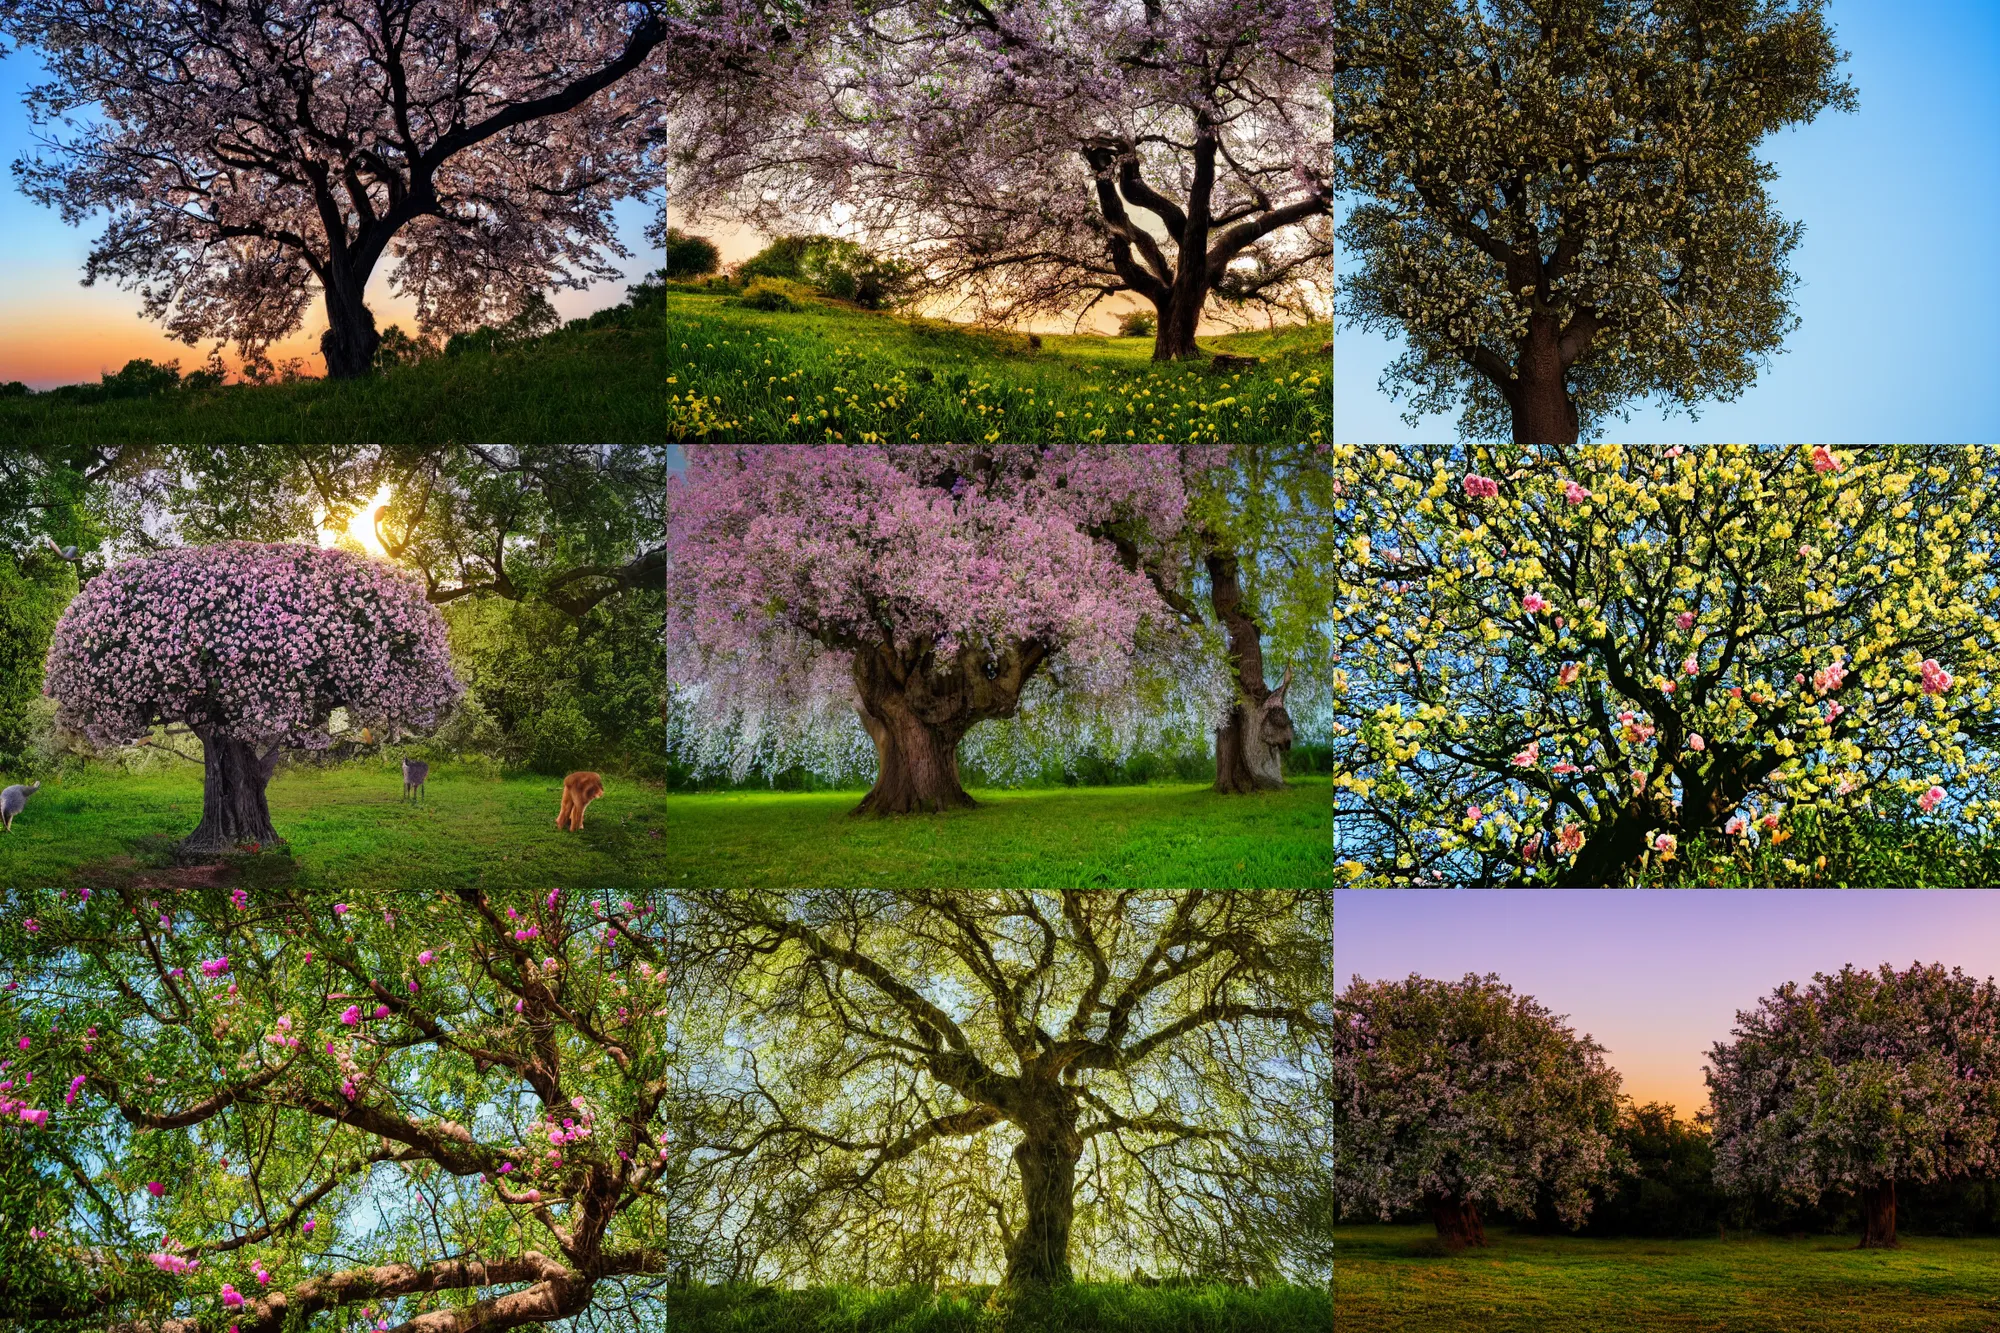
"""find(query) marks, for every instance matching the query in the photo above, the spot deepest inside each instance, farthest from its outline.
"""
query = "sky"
(1899, 276)
(1657, 976)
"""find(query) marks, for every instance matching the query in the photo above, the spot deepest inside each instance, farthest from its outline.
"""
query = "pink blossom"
(307, 1226)
(231, 1297)
(351, 1015)
(1684, 621)
(1472, 812)
(215, 967)
(1574, 493)
(1564, 768)
(1735, 826)
(425, 957)
(413, 988)
(239, 899)
(381, 1011)
(348, 1090)
(341, 909)
(1823, 459)
(1665, 843)
(1829, 678)
(1567, 673)
(31, 925)
(155, 1188)
(1528, 757)
(1690, 667)
(1570, 841)
(1638, 781)
(1930, 800)
(75, 1086)
(1480, 488)
(1533, 602)
(1935, 679)
(1696, 743)
(1532, 849)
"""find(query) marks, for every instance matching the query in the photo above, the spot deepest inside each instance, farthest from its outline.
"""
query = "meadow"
(1165, 835)
(347, 827)
(1395, 1279)
(685, 365)
(1085, 1307)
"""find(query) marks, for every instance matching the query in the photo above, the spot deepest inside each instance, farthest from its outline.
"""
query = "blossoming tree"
(1563, 210)
(252, 647)
(1453, 1096)
(1857, 1081)
(250, 155)
(923, 587)
(1045, 155)
(421, 1115)
(1557, 662)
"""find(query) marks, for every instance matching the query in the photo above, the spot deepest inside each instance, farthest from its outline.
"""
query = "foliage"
(253, 642)
(33, 592)
(832, 266)
(1557, 663)
(349, 832)
(483, 188)
(1137, 324)
(1165, 836)
(810, 576)
(690, 256)
(1894, 843)
(1090, 1032)
(1005, 151)
(1563, 208)
(767, 296)
(1525, 1284)
(1465, 1091)
(1083, 1307)
(1858, 1079)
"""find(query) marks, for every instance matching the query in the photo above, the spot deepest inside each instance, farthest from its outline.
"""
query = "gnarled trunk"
(233, 809)
(350, 339)
(1245, 760)
(1543, 412)
(1457, 1221)
(916, 763)
(917, 709)
(1179, 315)
(1046, 1161)
(1878, 1216)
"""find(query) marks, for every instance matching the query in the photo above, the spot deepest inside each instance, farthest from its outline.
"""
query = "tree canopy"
(1562, 207)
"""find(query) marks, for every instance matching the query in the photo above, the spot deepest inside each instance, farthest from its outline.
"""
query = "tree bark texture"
(1249, 748)
(1457, 1222)
(1046, 1162)
(233, 808)
(917, 707)
(1878, 1216)
(350, 339)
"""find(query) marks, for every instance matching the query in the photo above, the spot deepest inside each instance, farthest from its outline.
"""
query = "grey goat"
(414, 773)
(13, 801)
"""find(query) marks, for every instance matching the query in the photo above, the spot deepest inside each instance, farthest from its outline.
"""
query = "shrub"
(832, 267)
(769, 294)
(690, 256)
(1136, 324)
(398, 348)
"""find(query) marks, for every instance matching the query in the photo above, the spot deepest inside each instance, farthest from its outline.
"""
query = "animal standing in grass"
(252, 647)
(579, 790)
(13, 801)
(415, 771)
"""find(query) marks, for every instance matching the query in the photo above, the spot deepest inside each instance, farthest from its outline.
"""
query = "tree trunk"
(1878, 1216)
(233, 809)
(1246, 760)
(1457, 1222)
(1040, 1252)
(1173, 335)
(916, 762)
(350, 339)
(1543, 412)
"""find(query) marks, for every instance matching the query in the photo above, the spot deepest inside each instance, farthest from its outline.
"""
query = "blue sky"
(1657, 976)
(1899, 271)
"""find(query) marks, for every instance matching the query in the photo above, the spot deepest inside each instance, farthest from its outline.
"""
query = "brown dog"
(579, 790)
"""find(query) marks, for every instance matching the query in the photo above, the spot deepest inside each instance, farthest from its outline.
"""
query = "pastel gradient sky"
(1657, 976)
(1899, 278)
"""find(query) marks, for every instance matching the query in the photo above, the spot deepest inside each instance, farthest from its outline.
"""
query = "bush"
(832, 267)
(560, 739)
(765, 294)
(398, 348)
(32, 597)
(1892, 843)
(1136, 324)
(535, 318)
(690, 256)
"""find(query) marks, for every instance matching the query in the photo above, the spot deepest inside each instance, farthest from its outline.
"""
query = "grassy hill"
(685, 364)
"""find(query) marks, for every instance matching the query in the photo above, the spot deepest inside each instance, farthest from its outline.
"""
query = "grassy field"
(1082, 1308)
(694, 366)
(1390, 1279)
(1163, 835)
(347, 827)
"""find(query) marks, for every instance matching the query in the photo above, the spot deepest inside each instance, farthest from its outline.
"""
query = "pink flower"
(1564, 768)
(381, 1011)
(1574, 493)
(1689, 667)
(1472, 812)
(351, 1015)
(425, 957)
(307, 1226)
(1936, 679)
(1481, 488)
(1528, 757)
(1676, 451)
(1735, 826)
(1930, 800)
(230, 1296)
(347, 1089)
(155, 1188)
(1667, 688)
(1833, 710)
(1696, 743)
(1829, 678)
(24, 1043)
(341, 909)
(1532, 849)
(31, 925)
(1769, 821)
(505, 1167)
(239, 899)
(1684, 621)
(1665, 844)
(215, 967)
(413, 988)
(1570, 841)
(1823, 459)
(1533, 602)
(75, 1086)
(1638, 781)
(1567, 673)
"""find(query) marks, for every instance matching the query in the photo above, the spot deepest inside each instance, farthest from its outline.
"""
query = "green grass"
(1157, 836)
(348, 828)
(1389, 1279)
(703, 368)
(1082, 1308)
